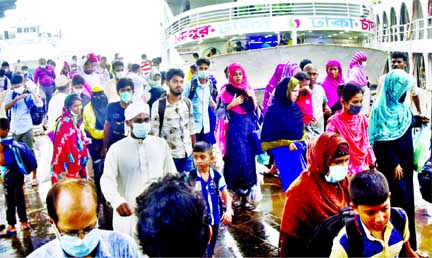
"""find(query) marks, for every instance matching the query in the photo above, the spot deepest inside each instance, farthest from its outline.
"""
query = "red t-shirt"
(305, 104)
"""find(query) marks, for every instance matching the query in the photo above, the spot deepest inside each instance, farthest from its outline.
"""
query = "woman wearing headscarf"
(331, 81)
(283, 132)
(240, 101)
(318, 193)
(357, 75)
(155, 90)
(70, 144)
(353, 125)
(390, 124)
(281, 71)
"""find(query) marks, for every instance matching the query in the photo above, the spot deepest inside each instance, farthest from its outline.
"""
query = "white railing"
(416, 30)
(255, 9)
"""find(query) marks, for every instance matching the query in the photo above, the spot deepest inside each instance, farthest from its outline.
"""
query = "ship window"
(32, 29)
(26, 29)
(19, 30)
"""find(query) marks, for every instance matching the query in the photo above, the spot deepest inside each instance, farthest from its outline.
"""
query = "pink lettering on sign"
(367, 24)
(194, 34)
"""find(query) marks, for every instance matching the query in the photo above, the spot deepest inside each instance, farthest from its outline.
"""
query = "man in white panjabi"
(132, 164)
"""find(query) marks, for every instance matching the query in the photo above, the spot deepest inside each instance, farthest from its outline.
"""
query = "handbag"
(221, 110)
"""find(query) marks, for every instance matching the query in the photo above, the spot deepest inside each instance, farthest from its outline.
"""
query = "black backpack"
(425, 182)
(194, 85)
(321, 241)
(37, 113)
(162, 107)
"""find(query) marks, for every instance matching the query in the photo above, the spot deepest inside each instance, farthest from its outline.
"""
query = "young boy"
(377, 230)
(210, 182)
(13, 182)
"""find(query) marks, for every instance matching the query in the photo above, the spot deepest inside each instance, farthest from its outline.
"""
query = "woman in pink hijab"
(332, 80)
(239, 158)
(357, 75)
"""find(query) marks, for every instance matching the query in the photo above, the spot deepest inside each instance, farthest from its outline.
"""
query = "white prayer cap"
(61, 81)
(136, 108)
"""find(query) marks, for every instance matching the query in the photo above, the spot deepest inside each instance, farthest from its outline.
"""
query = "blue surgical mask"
(354, 109)
(125, 97)
(140, 130)
(202, 74)
(77, 247)
(337, 173)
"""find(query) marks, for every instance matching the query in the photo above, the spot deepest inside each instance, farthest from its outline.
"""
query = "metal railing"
(416, 30)
(248, 9)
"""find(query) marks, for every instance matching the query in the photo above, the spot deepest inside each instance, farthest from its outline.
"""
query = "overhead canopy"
(6, 5)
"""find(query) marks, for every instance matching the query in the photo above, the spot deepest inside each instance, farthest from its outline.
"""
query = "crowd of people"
(152, 140)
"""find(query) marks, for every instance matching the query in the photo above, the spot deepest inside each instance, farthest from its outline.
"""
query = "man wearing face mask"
(73, 215)
(199, 91)
(114, 126)
(17, 102)
(78, 88)
(91, 77)
(131, 164)
(110, 89)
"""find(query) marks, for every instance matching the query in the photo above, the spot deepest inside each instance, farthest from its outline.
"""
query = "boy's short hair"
(369, 188)
(4, 124)
(202, 61)
(123, 83)
(77, 80)
(202, 147)
(17, 79)
(172, 219)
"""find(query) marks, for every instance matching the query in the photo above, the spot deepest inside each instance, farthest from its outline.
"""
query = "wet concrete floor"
(252, 234)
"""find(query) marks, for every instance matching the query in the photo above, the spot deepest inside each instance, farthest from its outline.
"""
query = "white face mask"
(364, 64)
(120, 75)
(77, 91)
(19, 90)
(337, 173)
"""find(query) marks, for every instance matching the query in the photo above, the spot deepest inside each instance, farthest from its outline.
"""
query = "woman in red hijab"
(318, 193)
(239, 166)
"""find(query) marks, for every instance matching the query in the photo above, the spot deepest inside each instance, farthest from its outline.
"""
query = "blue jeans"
(184, 164)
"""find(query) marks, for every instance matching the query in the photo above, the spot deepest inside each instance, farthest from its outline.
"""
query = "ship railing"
(416, 30)
(272, 8)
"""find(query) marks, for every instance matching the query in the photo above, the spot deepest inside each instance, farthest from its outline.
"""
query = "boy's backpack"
(162, 107)
(194, 85)
(321, 242)
(19, 156)
(37, 113)
(192, 176)
(425, 182)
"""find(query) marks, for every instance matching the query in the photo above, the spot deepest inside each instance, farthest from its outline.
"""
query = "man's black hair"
(213, 51)
(195, 55)
(17, 79)
(172, 219)
(304, 62)
(135, 68)
(24, 67)
(368, 188)
(4, 124)
(398, 54)
(202, 147)
(78, 80)
(117, 64)
(203, 61)
(123, 83)
(5, 64)
(173, 72)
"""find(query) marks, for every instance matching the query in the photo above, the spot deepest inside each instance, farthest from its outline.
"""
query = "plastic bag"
(422, 148)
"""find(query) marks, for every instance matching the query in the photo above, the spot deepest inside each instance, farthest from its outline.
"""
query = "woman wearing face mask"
(353, 125)
(70, 154)
(283, 132)
(332, 80)
(318, 193)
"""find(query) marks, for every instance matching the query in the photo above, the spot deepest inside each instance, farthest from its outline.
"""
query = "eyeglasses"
(76, 233)
(312, 74)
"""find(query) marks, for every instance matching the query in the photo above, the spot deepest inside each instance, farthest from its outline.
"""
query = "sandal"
(25, 225)
(7, 233)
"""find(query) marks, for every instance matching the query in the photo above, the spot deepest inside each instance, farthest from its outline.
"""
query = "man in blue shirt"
(18, 102)
(199, 91)
(72, 212)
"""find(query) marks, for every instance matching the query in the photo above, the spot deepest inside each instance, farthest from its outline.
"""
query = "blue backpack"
(18, 156)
